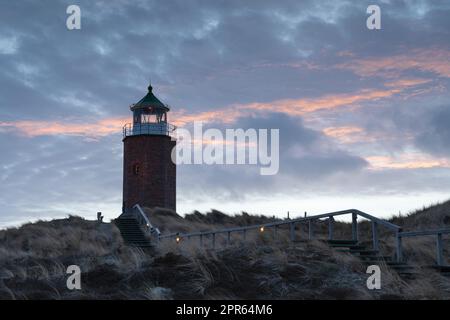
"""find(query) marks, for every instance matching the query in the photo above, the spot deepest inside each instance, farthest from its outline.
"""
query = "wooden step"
(349, 246)
(443, 269)
(132, 233)
(140, 233)
(143, 245)
(375, 258)
(344, 241)
(359, 251)
(408, 275)
(395, 263)
(402, 268)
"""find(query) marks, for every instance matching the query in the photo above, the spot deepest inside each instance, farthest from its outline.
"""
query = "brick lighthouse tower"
(149, 175)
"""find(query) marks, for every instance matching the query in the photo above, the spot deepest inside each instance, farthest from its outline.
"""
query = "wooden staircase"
(132, 233)
(370, 256)
(367, 255)
(444, 270)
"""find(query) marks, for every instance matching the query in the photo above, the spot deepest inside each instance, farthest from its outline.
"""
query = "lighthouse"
(149, 174)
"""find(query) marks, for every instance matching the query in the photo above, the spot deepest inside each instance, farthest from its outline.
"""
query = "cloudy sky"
(363, 114)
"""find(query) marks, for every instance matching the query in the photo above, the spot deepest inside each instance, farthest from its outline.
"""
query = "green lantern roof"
(149, 101)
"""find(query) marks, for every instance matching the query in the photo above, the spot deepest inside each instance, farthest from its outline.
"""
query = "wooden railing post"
(439, 250)
(292, 228)
(398, 249)
(310, 230)
(375, 241)
(354, 226)
(330, 228)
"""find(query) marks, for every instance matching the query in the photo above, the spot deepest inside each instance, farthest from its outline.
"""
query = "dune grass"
(34, 258)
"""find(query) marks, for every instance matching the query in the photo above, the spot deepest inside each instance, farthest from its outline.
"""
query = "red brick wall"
(155, 183)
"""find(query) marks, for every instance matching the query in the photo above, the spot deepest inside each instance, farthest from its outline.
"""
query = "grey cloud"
(306, 156)
(434, 134)
(203, 55)
(193, 50)
(68, 173)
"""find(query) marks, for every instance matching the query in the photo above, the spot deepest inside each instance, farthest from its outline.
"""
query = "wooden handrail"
(310, 219)
(144, 220)
(424, 233)
(375, 222)
(436, 232)
(385, 223)
(286, 222)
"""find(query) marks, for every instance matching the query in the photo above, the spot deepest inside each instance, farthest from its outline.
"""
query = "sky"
(363, 114)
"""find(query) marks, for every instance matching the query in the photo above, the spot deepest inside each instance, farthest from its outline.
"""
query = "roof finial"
(150, 84)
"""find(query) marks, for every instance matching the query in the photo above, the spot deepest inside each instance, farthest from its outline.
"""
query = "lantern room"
(149, 117)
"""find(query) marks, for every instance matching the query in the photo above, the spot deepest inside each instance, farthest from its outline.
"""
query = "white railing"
(144, 222)
(375, 223)
(438, 233)
(165, 129)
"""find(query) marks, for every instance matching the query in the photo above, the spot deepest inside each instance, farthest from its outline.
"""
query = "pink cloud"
(407, 161)
(99, 128)
(346, 134)
(292, 107)
(436, 61)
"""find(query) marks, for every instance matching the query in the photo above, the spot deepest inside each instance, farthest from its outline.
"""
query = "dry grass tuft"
(34, 258)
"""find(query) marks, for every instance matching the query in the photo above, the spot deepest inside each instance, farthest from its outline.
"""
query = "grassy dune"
(34, 258)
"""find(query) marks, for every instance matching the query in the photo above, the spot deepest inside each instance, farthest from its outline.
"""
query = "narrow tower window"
(136, 169)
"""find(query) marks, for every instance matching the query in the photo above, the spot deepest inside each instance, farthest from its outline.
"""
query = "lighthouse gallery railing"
(166, 129)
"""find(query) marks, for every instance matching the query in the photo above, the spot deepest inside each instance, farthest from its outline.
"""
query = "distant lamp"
(261, 229)
(178, 239)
